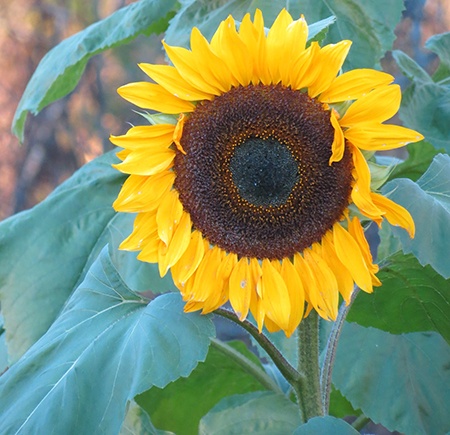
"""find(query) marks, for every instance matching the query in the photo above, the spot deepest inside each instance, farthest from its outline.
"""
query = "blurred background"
(74, 130)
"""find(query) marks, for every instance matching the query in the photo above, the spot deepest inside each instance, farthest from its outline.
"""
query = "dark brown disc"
(255, 177)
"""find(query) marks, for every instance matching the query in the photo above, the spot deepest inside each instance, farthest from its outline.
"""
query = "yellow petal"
(170, 79)
(395, 213)
(155, 97)
(349, 252)
(241, 287)
(354, 84)
(141, 193)
(185, 62)
(343, 276)
(338, 146)
(374, 136)
(146, 162)
(144, 228)
(169, 255)
(327, 286)
(356, 230)
(227, 45)
(150, 250)
(145, 136)
(190, 260)
(275, 295)
(168, 215)
(302, 74)
(376, 106)
(178, 133)
(361, 192)
(327, 64)
(296, 294)
(254, 38)
(213, 67)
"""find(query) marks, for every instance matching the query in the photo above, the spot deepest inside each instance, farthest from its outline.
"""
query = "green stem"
(249, 366)
(289, 372)
(308, 388)
(360, 422)
(330, 351)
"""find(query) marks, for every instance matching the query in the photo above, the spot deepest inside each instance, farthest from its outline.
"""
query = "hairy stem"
(289, 372)
(308, 388)
(330, 351)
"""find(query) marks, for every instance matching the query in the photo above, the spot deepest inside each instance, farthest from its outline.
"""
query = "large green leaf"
(262, 413)
(428, 201)
(107, 346)
(440, 44)
(326, 425)
(219, 376)
(401, 381)
(426, 108)
(370, 25)
(421, 154)
(45, 252)
(412, 298)
(61, 68)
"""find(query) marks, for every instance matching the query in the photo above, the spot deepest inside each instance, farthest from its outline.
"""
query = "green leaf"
(426, 108)
(400, 381)
(61, 68)
(261, 412)
(409, 67)
(370, 25)
(219, 376)
(340, 407)
(326, 425)
(421, 155)
(428, 201)
(412, 298)
(440, 44)
(107, 346)
(45, 252)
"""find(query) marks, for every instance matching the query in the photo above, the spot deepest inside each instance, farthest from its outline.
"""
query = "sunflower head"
(245, 198)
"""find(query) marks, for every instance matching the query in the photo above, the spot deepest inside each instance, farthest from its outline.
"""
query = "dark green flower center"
(264, 171)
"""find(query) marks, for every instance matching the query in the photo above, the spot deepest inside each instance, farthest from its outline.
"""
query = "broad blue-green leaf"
(400, 381)
(262, 413)
(326, 425)
(440, 44)
(174, 409)
(428, 201)
(420, 156)
(45, 252)
(3, 349)
(410, 68)
(340, 407)
(412, 298)
(60, 70)
(107, 346)
(426, 108)
(370, 25)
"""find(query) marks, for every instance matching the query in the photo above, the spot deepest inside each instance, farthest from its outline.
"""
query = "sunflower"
(245, 196)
